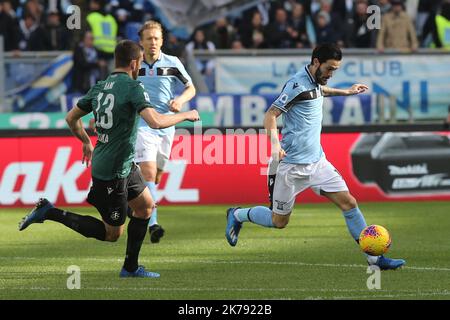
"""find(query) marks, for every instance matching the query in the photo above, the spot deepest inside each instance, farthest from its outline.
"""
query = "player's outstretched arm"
(270, 124)
(355, 89)
(160, 121)
(75, 124)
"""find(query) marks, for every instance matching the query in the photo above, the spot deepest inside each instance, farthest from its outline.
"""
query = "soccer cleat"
(156, 233)
(139, 273)
(37, 215)
(233, 227)
(389, 264)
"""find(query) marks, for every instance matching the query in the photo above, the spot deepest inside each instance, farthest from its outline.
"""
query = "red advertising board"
(230, 169)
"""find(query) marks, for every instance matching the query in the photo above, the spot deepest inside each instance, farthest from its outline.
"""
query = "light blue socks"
(258, 215)
(154, 218)
(355, 222)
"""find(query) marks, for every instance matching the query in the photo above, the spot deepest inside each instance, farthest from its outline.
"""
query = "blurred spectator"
(248, 31)
(205, 66)
(336, 23)
(105, 30)
(57, 34)
(426, 9)
(35, 9)
(32, 36)
(8, 27)
(86, 66)
(385, 6)
(298, 24)
(397, 30)
(279, 33)
(134, 9)
(129, 22)
(9, 8)
(314, 7)
(237, 45)
(258, 41)
(222, 34)
(438, 25)
(172, 46)
(121, 16)
(324, 31)
(362, 36)
(345, 10)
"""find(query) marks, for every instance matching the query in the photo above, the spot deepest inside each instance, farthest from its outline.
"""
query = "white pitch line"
(327, 265)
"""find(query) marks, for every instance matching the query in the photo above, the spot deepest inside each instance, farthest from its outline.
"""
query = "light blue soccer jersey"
(162, 80)
(301, 102)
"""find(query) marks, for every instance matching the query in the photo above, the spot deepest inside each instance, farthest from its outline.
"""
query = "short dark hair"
(326, 51)
(126, 50)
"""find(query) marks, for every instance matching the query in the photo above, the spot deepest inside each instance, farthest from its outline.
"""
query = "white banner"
(419, 81)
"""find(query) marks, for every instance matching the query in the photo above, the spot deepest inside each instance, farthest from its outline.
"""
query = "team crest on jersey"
(151, 72)
(115, 215)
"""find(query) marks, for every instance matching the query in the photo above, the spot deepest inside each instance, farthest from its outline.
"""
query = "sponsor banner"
(415, 80)
(218, 169)
(247, 110)
(216, 110)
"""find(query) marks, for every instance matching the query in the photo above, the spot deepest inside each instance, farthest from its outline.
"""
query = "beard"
(320, 78)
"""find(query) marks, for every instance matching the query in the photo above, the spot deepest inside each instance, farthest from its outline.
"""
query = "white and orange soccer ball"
(375, 240)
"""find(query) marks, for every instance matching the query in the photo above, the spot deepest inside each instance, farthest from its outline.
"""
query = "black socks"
(137, 228)
(87, 226)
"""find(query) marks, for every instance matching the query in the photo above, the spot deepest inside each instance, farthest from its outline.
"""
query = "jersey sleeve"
(139, 99)
(85, 103)
(286, 99)
(183, 76)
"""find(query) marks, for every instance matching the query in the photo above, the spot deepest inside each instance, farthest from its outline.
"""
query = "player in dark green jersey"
(117, 183)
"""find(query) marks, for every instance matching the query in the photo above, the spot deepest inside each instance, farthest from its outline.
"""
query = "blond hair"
(151, 24)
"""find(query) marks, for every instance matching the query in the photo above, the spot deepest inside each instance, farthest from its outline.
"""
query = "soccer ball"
(374, 240)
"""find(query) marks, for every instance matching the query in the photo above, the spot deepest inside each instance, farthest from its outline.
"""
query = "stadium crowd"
(37, 25)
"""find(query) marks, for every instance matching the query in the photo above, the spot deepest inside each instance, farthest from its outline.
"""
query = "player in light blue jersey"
(302, 162)
(162, 76)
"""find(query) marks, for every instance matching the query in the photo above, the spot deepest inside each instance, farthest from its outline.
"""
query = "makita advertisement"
(218, 168)
(403, 163)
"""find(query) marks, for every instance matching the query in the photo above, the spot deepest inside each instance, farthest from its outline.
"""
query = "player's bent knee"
(280, 221)
(113, 236)
(143, 214)
(280, 224)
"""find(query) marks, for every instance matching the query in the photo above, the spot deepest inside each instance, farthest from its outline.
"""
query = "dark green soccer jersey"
(116, 103)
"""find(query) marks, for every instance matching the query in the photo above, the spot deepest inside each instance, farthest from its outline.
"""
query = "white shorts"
(153, 147)
(291, 179)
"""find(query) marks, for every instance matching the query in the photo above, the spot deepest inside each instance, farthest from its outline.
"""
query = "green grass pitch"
(313, 258)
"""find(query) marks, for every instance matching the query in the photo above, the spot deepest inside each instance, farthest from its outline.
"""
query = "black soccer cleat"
(156, 233)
